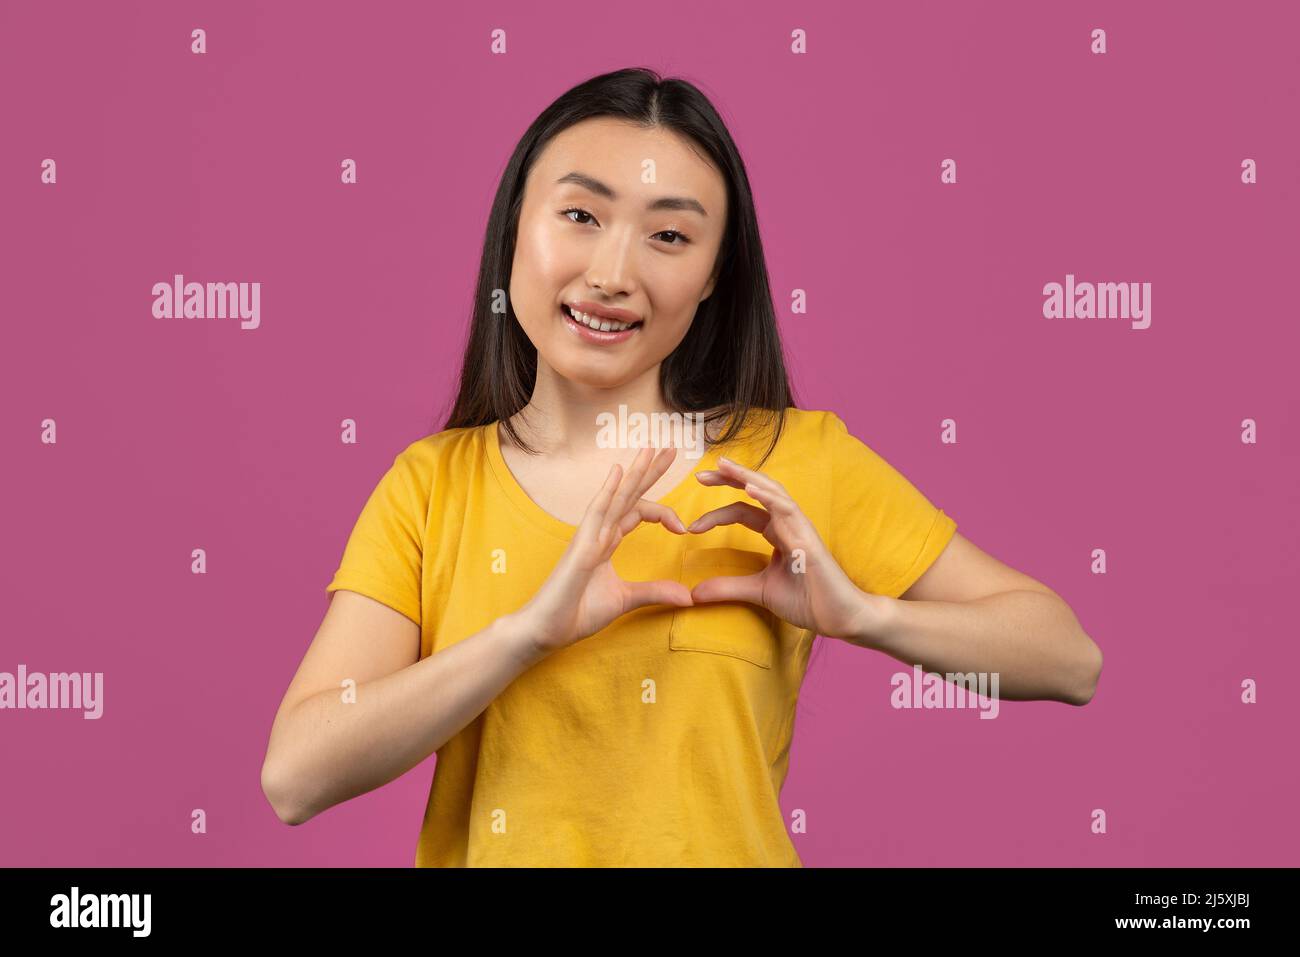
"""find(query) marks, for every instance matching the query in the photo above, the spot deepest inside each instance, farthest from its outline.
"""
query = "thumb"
(661, 592)
(747, 588)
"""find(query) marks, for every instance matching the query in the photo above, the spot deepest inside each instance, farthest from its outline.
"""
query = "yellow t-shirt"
(664, 739)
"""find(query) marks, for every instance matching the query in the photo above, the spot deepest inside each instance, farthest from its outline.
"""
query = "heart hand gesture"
(803, 584)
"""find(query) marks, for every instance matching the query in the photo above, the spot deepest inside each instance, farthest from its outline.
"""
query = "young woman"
(604, 644)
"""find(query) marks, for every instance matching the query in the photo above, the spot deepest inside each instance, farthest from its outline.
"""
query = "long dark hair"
(730, 362)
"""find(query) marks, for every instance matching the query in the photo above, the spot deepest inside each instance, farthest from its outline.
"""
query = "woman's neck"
(563, 417)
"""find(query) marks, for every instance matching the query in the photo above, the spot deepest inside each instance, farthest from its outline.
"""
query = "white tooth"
(599, 324)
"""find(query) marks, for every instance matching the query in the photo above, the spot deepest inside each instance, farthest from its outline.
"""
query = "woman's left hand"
(803, 584)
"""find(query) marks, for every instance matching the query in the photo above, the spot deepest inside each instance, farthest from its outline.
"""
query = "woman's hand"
(803, 584)
(583, 593)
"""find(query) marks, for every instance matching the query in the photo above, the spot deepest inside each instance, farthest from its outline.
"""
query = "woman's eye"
(679, 239)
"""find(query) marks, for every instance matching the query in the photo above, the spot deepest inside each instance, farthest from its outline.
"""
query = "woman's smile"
(595, 329)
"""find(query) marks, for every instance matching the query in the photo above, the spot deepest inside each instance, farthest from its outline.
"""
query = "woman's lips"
(595, 335)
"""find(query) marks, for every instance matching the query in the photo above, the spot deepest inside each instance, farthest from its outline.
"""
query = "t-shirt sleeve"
(883, 531)
(383, 558)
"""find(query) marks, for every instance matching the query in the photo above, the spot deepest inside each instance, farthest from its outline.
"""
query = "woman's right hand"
(583, 593)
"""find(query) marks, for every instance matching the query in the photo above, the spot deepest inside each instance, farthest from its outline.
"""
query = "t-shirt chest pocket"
(738, 629)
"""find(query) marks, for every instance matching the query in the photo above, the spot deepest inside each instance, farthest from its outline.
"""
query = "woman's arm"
(971, 612)
(1030, 639)
(968, 612)
(330, 743)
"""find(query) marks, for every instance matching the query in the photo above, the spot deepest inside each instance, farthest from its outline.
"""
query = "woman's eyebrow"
(684, 203)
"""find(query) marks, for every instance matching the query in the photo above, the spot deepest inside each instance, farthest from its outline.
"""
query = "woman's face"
(588, 233)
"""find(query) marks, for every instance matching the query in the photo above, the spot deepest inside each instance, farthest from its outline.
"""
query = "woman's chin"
(596, 372)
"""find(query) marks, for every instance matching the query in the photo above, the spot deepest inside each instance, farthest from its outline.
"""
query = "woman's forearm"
(326, 750)
(1031, 640)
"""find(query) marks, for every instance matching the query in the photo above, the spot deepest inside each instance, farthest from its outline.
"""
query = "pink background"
(924, 303)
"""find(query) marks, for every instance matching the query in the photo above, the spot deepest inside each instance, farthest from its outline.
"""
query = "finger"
(747, 588)
(662, 592)
(737, 513)
(647, 511)
(628, 489)
(788, 528)
(732, 468)
(714, 477)
(735, 480)
(594, 516)
(775, 502)
(658, 466)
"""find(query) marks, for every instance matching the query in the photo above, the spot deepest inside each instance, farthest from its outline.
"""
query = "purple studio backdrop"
(922, 173)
